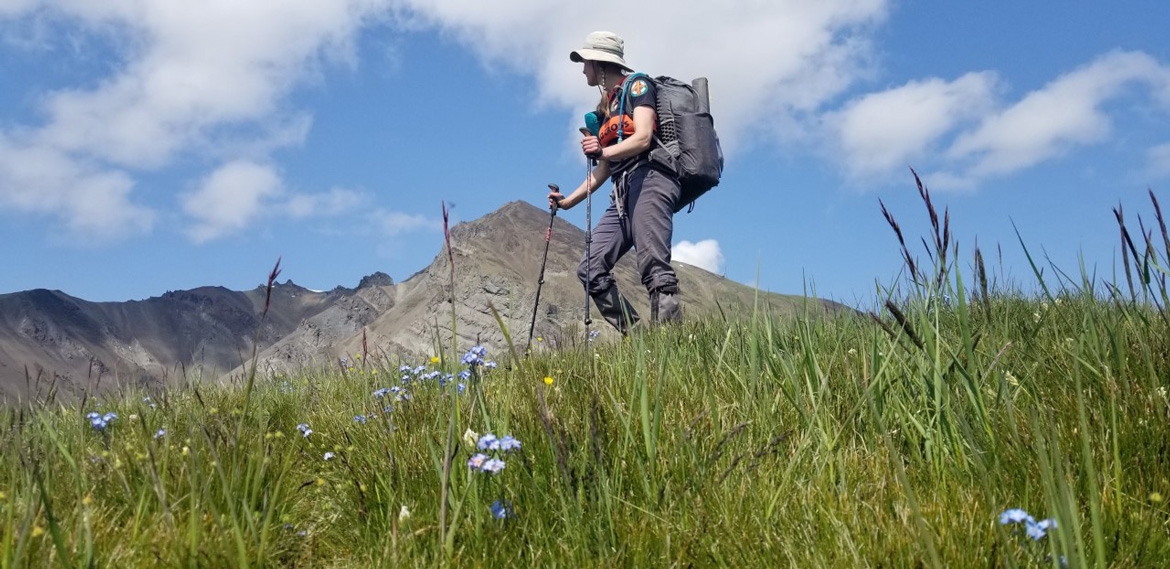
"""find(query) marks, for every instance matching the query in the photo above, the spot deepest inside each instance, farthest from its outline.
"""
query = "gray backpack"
(687, 143)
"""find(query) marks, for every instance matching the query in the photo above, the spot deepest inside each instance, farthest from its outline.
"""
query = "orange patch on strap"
(639, 88)
(609, 131)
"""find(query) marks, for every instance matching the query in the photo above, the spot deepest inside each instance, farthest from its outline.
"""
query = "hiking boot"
(616, 309)
(665, 307)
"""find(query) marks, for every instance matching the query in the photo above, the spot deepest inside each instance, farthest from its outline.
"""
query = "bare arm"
(599, 175)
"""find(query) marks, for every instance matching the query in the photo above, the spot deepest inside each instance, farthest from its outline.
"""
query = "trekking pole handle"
(586, 132)
(554, 207)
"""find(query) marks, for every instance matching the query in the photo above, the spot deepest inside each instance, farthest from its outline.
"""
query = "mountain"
(209, 331)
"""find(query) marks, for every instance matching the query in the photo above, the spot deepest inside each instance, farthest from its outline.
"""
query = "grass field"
(892, 439)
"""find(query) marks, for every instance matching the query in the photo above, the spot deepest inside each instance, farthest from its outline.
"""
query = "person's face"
(590, 70)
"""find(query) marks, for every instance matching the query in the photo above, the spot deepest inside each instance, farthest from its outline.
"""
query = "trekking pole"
(588, 233)
(552, 210)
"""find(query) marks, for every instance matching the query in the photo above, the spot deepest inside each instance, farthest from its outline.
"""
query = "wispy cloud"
(967, 135)
(884, 131)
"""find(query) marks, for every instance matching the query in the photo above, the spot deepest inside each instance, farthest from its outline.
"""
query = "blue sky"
(154, 146)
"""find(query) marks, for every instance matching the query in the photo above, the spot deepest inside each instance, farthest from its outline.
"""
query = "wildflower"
(461, 387)
(501, 510)
(403, 514)
(133, 416)
(469, 437)
(1038, 530)
(109, 417)
(93, 415)
(465, 374)
(381, 392)
(285, 387)
(329, 456)
(476, 462)
(488, 442)
(493, 465)
(434, 360)
(307, 433)
(38, 531)
(597, 333)
(148, 402)
(388, 409)
(1014, 516)
(359, 419)
(404, 369)
(548, 380)
(852, 351)
(186, 451)
(509, 443)
(490, 365)
(303, 427)
(418, 370)
(160, 434)
(1156, 497)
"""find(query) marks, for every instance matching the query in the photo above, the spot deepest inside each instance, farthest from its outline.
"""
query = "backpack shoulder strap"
(622, 104)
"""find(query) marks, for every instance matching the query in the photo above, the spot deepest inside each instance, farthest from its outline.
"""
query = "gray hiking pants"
(647, 224)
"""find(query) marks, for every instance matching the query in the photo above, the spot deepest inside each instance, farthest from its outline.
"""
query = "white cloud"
(887, 130)
(1158, 161)
(94, 203)
(229, 199)
(1064, 114)
(192, 78)
(775, 60)
(704, 254)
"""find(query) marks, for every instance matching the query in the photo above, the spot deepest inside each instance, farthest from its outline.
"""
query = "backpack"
(687, 143)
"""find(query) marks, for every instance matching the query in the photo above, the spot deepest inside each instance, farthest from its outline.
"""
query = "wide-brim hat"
(602, 46)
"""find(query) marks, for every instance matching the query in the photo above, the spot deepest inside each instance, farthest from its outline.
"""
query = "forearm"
(595, 180)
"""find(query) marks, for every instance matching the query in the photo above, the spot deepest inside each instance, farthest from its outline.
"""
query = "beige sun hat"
(602, 46)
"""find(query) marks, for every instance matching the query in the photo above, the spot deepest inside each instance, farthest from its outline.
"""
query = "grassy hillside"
(893, 440)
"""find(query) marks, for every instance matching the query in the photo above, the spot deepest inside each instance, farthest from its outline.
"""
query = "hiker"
(641, 213)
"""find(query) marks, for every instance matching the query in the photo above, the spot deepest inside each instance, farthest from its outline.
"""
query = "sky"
(148, 146)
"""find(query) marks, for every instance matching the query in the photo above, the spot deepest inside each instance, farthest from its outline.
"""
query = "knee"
(594, 280)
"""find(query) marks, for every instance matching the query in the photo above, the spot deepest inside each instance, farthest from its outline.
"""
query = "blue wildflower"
(109, 417)
(404, 369)
(418, 370)
(465, 374)
(93, 415)
(461, 387)
(488, 442)
(388, 409)
(98, 424)
(148, 402)
(494, 465)
(307, 433)
(490, 365)
(476, 462)
(359, 419)
(1039, 529)
(509, 443)
(501, 510)
(329, 456)
(303, 427)
(1014, 516)
(160, 434)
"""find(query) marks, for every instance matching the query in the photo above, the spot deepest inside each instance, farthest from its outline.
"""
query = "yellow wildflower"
(1156, 497)
(548, 380)
(87, 500)
(434, 359)
(38, 531)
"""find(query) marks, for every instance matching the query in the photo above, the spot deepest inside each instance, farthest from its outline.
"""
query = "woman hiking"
(641, 214)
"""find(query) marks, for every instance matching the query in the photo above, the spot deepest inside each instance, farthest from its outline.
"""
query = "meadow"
(964, 422)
